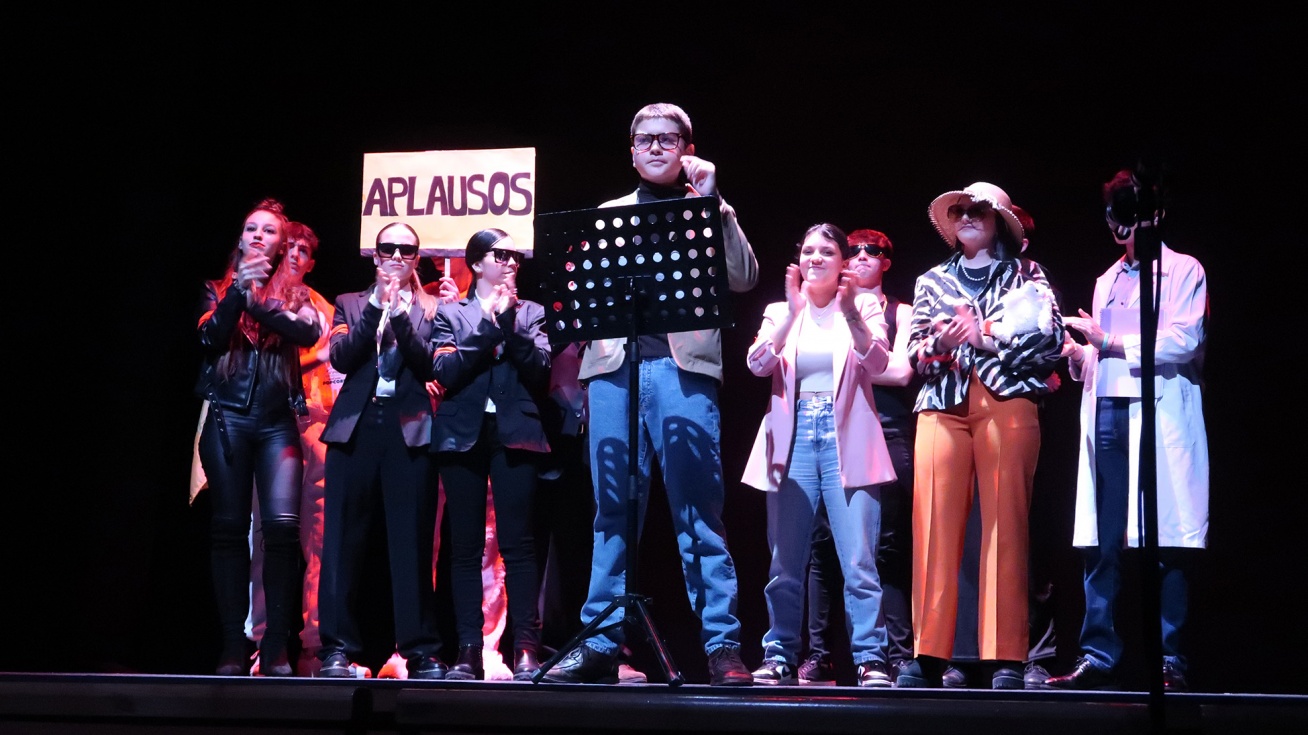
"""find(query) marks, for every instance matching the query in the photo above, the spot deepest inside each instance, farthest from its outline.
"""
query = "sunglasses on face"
(876, 251)
(975, 211)
(388, 250)
(504, 256)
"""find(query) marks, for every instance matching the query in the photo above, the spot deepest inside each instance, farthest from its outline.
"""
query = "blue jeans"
(813, 477)
(679, 422)
(1100, 640)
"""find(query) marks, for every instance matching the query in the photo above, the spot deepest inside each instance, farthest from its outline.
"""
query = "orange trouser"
(996, 441)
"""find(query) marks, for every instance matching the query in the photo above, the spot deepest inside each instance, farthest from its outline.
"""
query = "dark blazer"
(354, 353)
(466, 365)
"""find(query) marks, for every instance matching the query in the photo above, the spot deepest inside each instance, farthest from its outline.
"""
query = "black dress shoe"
(428, 667)
(1086, 674)
(1174, 678)
(235, 659)
(585, 665)
(275, 664)
(335, 666)
(468, 665)
(525, 664)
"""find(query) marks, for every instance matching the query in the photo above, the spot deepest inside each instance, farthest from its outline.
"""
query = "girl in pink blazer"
(821, 443)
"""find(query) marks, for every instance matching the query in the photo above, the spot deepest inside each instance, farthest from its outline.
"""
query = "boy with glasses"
(680, 372)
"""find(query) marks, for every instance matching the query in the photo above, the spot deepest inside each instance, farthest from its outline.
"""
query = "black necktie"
(388, 357)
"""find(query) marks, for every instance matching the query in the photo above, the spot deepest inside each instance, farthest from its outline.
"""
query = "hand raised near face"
(701, 174)
(796, 293)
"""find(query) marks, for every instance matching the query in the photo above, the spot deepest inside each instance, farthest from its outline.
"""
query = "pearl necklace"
(962, 272)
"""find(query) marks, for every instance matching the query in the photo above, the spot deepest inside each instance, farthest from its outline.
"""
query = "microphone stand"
(1147, 253)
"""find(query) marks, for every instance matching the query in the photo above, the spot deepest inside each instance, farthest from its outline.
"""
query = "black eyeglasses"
(644, 141)
(976, 211)
(876, 251)
(504, 256)
(387, 250)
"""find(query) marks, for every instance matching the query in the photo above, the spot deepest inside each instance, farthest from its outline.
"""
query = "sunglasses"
(387, 250)
(975, 211)
(504, 256)
(876, 251)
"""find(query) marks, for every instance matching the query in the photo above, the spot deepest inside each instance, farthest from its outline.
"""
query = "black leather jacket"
(223, 316)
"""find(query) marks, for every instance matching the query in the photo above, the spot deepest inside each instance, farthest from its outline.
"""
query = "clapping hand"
(1087, 326)
(963, 327)
(796, 290)
(252, 274)
(846, 293)
(387, 290)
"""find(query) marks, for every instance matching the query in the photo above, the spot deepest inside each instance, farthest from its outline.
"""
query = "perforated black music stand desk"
(628, 271)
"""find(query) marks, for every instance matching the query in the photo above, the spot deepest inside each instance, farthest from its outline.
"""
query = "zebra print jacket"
(1019, 368)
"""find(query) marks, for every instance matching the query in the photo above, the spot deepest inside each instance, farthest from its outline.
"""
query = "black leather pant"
(265, 454)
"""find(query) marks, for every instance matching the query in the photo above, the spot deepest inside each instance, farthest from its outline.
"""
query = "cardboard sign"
(447, 196)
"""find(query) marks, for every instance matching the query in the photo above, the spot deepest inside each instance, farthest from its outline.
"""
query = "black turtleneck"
(651, 192)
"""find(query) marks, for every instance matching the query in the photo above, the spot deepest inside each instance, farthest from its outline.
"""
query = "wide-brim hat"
(978, 192)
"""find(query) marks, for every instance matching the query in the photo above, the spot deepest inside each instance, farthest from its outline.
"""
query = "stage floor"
(51, 704)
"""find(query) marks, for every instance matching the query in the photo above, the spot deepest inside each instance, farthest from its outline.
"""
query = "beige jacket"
(699, 351)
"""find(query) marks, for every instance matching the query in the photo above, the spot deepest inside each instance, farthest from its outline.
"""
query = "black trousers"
(512, 474)
(264, 453)
(375, 478)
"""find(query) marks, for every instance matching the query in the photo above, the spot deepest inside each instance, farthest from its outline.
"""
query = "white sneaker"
(775, 672)
(629, 675)
(492, 663)
(394, 668)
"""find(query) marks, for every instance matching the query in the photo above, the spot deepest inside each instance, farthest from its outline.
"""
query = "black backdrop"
(163, 131)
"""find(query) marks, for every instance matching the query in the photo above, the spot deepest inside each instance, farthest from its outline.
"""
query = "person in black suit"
(492, 359)
(377, 460)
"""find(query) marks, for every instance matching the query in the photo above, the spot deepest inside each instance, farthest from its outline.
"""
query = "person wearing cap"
(492, 359)
(1108, 508)
(978, 426)
(378, 467)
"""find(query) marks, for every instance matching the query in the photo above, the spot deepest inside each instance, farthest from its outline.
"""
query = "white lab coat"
(1181, 438)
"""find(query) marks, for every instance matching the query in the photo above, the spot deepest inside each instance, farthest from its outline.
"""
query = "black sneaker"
(874, 674)
(774, 671)
(898, 666)
(585, 665)
(816, 671)
(914, 674)
(727, 670)
(1006, 677)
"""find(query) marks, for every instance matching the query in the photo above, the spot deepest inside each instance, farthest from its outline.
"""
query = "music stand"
(628, 271)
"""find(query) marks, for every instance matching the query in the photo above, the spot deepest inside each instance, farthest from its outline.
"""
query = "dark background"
(165, 130)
